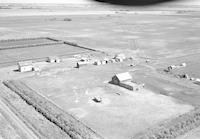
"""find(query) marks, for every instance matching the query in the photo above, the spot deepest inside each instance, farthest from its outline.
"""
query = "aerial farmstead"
(97, 71)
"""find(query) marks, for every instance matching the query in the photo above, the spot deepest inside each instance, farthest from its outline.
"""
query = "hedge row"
(30, 45)
(48, 38)
(23, 39)
(173, 128)
(52, 39)
(73, 127)
(76, 45)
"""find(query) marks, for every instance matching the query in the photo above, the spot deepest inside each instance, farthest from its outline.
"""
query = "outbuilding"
(120, 56)
(25, 66)
(53, 59)
(81, 64)
(171, 67)
(197, 81)
(97, 62)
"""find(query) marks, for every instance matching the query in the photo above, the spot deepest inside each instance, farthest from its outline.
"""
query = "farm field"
(9, 44)
(38, 53)
(10, 125)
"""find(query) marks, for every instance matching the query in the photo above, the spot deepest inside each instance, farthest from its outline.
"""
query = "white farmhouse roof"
(124, 76)
(53, 57)
(25, 63)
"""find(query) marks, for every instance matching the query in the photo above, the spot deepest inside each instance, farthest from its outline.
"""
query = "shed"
(84, 59)
(183, 64)
(106, 60)
(171, 67)
(103, 62)
(120, 56)
(53, 59)
(197, 81)
(97, 63)
(121, 77)
(81, 63)
(25, 66)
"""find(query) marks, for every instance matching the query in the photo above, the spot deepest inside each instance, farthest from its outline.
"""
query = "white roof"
(197, 80)
(53, 57)
(25, 63)
(124, 76)
(121, 56)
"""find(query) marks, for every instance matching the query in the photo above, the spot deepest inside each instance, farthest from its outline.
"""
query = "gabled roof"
(25, 63)
(53, 57)
(124, 76)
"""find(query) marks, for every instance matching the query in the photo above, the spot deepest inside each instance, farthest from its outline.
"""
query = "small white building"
(120, 56)
(112, 61)
(171, 67)
(53, 59)
(84, 59)
(25, 66)
(103, 62)
(197, 81)
(183, 64)
(97, 62)
(106, 60)
(81, 63)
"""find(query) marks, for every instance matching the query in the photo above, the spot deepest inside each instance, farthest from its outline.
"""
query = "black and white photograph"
(99, 69)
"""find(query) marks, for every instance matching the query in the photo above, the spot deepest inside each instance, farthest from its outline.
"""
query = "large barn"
(122, 77)
(25, 66)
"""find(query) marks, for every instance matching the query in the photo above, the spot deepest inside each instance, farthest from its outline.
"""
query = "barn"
(25, 66)
(121, 77)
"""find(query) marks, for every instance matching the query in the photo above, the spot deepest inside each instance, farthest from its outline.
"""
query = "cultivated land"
(153, 39)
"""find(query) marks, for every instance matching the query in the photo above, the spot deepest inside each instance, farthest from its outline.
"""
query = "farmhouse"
(25, 66)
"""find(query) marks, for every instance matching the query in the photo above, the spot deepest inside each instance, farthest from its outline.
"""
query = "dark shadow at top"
(135, 2)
